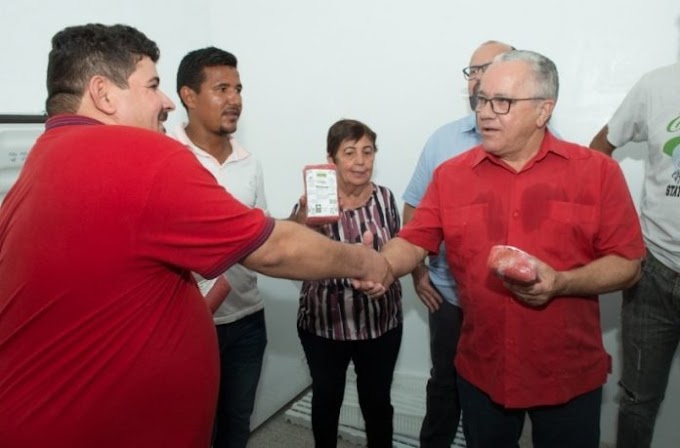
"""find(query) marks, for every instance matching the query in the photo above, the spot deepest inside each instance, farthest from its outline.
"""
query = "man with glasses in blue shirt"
(434, 284)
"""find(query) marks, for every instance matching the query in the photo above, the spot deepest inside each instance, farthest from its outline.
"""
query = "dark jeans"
(650, 325)
(242, 345)
(443, 406)
(374, 362)
(575, 424)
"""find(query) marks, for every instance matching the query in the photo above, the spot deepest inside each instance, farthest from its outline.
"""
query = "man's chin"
(224, 130)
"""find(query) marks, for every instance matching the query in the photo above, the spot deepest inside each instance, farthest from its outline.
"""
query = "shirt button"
(515, 214)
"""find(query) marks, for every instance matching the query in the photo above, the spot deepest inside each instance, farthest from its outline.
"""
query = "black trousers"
(443, 405)
(242, 345)
(575, 424)
(374, 362)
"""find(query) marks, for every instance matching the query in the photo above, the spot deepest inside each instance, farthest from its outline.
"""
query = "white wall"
(26, 28)
(394, 65)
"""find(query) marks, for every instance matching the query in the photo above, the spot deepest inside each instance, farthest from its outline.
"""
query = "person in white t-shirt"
(650, 317)
(209, 87)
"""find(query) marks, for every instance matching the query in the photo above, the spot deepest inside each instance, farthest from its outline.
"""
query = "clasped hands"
(379, 275)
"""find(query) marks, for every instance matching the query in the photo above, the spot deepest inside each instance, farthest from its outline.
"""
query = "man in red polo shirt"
(105, 340)
(533, 348)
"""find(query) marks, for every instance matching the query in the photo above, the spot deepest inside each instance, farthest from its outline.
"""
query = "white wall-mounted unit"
(17, 135)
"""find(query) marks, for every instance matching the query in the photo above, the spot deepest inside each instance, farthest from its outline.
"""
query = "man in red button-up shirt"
(105, 339)
(528, 348)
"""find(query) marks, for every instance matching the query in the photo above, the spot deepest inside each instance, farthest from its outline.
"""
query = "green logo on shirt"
(674, 125)
(670, 146)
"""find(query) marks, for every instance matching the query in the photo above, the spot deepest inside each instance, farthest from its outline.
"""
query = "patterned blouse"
(331, 308)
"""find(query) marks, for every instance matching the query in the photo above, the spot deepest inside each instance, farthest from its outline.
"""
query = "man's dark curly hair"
(191, 71)
(81, 52)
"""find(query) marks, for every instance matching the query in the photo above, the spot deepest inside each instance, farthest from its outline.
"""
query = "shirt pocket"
(569, 227)
(465, 233)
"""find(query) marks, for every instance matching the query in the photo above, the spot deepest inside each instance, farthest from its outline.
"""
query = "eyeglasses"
(474, 71)
(500, 105)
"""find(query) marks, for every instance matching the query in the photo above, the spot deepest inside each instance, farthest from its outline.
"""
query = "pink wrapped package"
(513, 264)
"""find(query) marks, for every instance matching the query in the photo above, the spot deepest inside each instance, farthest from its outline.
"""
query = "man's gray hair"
(544, 70)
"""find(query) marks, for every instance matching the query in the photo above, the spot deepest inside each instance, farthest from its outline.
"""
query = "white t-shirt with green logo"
(651, 113)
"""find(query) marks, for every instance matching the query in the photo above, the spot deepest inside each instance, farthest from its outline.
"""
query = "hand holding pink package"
(513, 264)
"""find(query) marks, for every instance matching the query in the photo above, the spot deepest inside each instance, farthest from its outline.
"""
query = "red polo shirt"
(105, 340)
(568, 206)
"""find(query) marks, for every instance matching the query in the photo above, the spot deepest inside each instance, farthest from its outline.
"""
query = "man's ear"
(100, 91)
(329, 159)
(546, 112)
(188, 97)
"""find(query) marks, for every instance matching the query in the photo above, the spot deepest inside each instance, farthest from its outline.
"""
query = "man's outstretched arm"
(296, 252)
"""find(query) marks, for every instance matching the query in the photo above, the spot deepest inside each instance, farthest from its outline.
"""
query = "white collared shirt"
(241, 175)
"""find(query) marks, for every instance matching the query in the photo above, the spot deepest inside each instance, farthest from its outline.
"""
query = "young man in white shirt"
(209, 86)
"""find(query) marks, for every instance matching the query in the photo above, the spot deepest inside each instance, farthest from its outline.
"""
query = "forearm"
(606, 274)
(218, 293)
(295, 252)
(402, 256)
(409, 211)
(600, 142)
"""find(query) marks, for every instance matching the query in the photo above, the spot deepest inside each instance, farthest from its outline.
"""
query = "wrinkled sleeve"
(619, 231)
(191, 222)
(425, 229)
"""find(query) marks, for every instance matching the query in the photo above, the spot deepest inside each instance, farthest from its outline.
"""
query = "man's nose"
(234, 97)
(483, 109)
(168, 104)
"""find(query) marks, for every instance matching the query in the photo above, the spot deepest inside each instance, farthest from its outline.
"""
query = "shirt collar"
(61, 120)
(549, 144)
(238, 152)
(469, 123)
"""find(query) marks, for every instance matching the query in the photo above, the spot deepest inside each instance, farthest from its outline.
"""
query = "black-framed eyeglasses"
(474, 71)
(500, 105)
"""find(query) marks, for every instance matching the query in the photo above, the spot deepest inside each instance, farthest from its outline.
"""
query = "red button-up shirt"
(568, 206)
